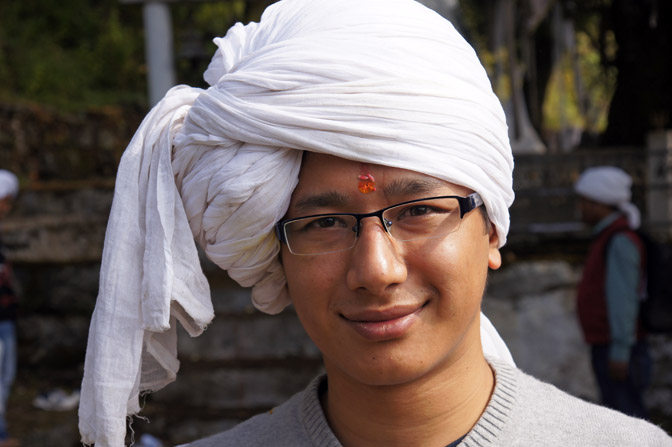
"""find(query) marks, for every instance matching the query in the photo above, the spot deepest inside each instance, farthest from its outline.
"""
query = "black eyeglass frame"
(467, 204)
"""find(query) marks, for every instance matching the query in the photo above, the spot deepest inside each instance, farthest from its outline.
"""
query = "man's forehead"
(414, 185)
(326, 180)
(330, 170)
(397, 187)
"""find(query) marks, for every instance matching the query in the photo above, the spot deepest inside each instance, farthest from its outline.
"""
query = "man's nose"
(376, 262)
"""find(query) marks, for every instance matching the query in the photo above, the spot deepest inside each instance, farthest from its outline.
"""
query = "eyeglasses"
(428, 218)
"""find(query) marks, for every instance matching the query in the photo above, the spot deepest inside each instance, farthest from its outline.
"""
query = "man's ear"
(494, 256)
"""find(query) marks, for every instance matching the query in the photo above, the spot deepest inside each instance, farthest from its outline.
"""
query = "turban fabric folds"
(392, 83)
(386, 82)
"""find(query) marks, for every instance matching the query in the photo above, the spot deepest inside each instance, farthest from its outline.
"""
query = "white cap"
(610, 186)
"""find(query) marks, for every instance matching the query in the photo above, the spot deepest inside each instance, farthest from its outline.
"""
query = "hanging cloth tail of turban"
(150, 277)
(219, 166)
(632, 213)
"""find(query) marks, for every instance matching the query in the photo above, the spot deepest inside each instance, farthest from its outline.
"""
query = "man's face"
(386, 312)
(592, 212)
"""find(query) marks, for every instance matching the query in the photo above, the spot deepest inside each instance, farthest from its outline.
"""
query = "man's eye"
(423, 211)
(325, 222)
(419, 210)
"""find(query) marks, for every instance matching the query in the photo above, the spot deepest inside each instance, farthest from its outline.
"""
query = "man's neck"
(433, 410)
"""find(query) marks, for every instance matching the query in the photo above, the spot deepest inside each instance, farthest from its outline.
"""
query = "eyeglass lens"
(424, 219)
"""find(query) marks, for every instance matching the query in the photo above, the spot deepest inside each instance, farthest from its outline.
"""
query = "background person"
(9, 188)
(611, 288)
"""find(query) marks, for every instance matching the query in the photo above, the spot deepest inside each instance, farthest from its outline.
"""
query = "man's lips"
(385, 324)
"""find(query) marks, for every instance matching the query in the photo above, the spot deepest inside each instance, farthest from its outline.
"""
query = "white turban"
(610, 186)
(380, 81)
(9, 184)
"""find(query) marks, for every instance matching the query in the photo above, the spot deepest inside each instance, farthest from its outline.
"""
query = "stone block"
(56, 226)
(529, 278)
(227, 296)
(52, 341)
(532, 306)
(258, 337)
(213, 387)
(57, 289)
(659, 178)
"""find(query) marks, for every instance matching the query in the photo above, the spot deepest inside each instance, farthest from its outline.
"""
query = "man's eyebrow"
(323, 200)
(398, 187)
(402, 187)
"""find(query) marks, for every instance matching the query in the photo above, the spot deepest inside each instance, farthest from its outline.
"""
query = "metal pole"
(158, 49)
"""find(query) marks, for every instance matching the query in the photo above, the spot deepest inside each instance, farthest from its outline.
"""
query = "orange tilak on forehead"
(366, 182)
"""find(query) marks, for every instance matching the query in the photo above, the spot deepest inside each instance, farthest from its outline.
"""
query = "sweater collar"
(485, 432)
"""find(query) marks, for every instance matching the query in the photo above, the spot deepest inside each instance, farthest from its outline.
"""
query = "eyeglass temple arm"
(472, 201)
(279, 233)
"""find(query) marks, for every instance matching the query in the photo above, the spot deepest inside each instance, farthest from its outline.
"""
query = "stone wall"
(532, 303)
(246, 362)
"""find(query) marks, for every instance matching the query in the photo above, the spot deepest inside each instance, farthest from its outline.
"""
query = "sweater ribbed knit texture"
(523, 411)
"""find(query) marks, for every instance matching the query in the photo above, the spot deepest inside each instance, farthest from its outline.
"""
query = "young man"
(610, 290)
(394, 310)
(349, 158)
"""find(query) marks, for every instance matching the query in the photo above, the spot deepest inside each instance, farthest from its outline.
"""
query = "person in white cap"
(9, 188)
(349, 158)
(611, 288)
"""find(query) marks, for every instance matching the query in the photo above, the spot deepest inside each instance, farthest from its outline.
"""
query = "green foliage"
(474, 19)
(576, 91)
(599, 81)
(77, 54)
(563, 106)
(72, 54)
(216, 18)
(196, 25)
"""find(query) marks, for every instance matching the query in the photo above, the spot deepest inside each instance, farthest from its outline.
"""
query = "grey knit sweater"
(522, 412)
